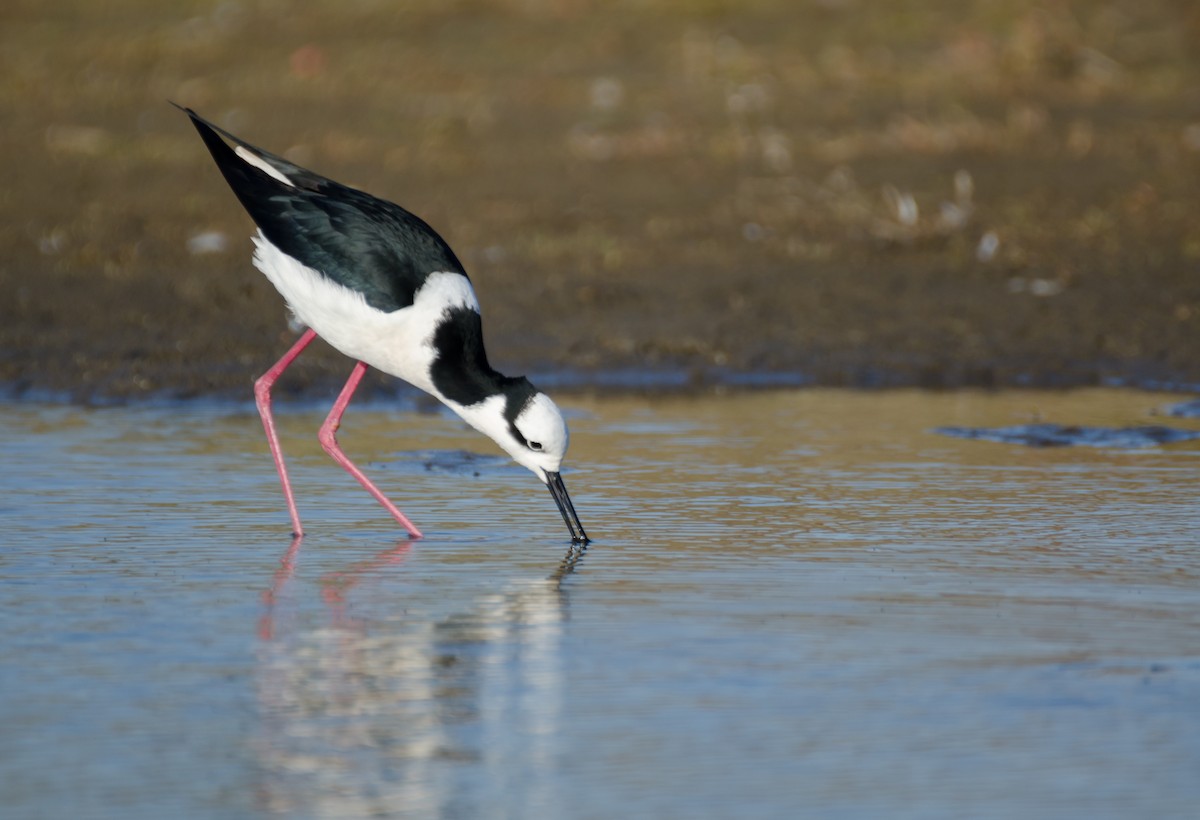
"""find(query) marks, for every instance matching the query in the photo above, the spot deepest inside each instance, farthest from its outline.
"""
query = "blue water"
(798, 604)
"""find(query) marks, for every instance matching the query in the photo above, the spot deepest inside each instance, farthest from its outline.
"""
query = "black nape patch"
(518, 393)
(461, 372)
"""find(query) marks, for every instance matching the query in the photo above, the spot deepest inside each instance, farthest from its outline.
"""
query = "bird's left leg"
(328, 439)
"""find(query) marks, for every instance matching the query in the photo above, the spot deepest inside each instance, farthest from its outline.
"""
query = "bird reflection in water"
(415, 704)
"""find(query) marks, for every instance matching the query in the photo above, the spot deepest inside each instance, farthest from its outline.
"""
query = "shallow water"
(797, 604)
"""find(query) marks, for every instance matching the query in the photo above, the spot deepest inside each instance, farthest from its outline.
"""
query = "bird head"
(528, 425)
(537, 434)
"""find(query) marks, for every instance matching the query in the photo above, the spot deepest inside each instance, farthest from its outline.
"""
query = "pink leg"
(262, 397)
(328, 439)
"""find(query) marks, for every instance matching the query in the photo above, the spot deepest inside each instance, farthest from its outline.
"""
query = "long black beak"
(559, 491)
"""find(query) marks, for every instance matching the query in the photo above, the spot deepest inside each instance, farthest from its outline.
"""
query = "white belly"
(398, 343)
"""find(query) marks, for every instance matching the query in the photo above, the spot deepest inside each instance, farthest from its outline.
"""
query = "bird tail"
(248, 161)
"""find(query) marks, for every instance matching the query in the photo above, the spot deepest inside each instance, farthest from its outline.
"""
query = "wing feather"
(362, 242)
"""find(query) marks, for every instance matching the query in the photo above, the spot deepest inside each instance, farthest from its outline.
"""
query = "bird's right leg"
(262, 397)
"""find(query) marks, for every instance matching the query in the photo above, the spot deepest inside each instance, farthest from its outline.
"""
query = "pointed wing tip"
(202, 125)
(185, 110)
(277, 168)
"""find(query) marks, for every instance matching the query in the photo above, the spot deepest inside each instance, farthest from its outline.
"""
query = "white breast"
(398, 343)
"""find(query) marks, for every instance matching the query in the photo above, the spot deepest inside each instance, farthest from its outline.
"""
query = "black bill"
(559, 491)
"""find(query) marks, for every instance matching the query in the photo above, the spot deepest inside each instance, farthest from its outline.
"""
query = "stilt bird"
(383, 288)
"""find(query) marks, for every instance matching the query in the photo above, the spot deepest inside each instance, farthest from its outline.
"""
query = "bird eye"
(535, 445)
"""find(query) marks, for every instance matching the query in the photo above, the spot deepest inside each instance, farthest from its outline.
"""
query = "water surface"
(798, 604)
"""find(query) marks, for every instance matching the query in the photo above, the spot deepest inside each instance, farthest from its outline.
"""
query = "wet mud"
(1070, 435)
(964, 194)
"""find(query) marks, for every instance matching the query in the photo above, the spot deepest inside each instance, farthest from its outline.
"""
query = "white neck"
(488, 418)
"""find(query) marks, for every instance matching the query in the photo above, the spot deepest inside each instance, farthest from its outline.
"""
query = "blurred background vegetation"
(845, 191)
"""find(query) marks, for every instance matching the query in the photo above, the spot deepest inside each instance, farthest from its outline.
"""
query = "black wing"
(364, 243)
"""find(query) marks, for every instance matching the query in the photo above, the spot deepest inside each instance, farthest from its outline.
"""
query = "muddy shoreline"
(665, 199)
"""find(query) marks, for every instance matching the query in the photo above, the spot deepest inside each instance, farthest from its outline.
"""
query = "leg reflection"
(287, 568)
(335, 584)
